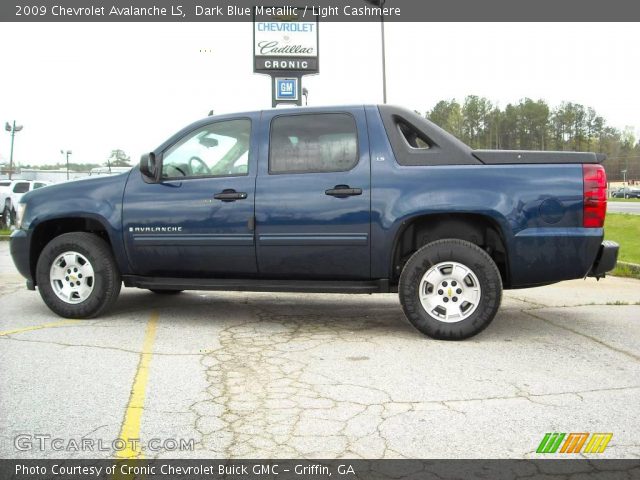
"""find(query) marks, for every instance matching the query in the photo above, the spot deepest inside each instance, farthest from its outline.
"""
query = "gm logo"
(574, 442)
(287, 89)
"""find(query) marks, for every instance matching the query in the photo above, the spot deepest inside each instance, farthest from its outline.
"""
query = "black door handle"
(343, 191)
(230, 195)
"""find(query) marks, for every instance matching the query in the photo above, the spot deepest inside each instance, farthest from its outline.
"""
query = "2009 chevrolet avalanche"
(357, 199)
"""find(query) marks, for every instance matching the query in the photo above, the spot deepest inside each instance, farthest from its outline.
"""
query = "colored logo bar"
(574, 442)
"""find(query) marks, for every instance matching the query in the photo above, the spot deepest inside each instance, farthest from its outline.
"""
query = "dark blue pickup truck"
(358, 199)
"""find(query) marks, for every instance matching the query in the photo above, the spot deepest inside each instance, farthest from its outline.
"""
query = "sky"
(95, 87)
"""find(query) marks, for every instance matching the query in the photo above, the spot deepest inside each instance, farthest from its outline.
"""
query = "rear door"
(313, 195)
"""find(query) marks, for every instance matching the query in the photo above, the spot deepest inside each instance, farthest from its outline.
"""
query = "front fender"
(98, 200)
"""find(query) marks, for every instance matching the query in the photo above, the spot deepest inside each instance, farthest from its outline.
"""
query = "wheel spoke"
(434, 276)
(459, 273)
(65, 291)
(57, 273)
(86, 270)
(69, 259)
(454, 313)
(84, 290)
(471, 295)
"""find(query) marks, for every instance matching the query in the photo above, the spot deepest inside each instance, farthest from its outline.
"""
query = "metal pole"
(13, 134)
(67, 165)
(384, 63)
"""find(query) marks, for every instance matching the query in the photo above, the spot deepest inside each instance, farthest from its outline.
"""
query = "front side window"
(312, 143)
(38, 185)
(217, 150)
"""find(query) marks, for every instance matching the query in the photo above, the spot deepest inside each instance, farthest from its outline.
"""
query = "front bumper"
(606, 259)
(19, 247)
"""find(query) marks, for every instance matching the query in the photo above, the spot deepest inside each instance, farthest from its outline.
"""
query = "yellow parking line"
(133, 415)
(38, 327)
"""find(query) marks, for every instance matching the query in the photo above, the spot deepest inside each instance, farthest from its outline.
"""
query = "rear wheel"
(77, 275)
(450, 289)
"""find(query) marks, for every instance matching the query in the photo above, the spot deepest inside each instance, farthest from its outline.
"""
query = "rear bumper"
(606, 259)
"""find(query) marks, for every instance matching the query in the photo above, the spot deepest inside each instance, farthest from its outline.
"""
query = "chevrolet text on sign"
(284, 41)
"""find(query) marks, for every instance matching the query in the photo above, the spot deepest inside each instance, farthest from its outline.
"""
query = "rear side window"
(313, 143)
(21, 187)
(414, 137)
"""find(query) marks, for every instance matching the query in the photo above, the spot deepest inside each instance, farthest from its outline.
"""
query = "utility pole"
(13, 129)
(68, 152)
(380, 3)
(384, 60)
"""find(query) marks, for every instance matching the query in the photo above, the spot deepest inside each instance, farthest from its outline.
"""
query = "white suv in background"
(11, 191)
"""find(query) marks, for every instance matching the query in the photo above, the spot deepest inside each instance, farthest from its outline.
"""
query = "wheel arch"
(479, 229)
(51, 228)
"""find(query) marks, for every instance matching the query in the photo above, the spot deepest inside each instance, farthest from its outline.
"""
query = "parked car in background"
(11, 192)
(626, 192)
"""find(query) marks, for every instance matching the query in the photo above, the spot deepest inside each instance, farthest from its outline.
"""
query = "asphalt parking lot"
(248, 375)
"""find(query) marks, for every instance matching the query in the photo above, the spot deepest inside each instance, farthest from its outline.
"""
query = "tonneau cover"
(502, 157)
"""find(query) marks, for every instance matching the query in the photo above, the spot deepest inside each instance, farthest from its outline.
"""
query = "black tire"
(468, 255)
(165, 292)
(6, 217)
(106, 281)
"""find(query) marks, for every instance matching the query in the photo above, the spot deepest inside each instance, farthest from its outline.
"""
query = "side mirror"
(148, 167)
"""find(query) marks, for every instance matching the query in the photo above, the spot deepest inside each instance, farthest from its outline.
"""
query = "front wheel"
(450, 289)
(77, 275)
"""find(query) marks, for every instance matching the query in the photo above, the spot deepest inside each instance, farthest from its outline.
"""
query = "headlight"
(20, 215)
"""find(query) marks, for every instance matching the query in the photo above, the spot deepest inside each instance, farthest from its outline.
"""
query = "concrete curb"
(634, 267)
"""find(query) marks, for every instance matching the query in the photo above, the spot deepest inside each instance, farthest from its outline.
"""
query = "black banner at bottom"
(318, 469)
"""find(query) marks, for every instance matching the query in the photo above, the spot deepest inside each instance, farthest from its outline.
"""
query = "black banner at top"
(326, 10)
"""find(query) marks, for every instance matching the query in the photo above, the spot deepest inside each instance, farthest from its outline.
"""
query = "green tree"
(533, 125)
(448, 115)
(118, 158)
(510, 128)
(534, 122)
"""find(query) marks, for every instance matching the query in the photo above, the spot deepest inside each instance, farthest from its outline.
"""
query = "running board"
(258, 285)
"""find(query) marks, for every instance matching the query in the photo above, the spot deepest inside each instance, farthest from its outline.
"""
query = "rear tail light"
(595, 195)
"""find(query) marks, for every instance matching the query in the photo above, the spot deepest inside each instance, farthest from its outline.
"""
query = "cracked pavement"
(259, 375)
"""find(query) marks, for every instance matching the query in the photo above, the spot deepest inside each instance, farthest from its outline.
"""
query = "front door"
(198, 220)
(313, 196)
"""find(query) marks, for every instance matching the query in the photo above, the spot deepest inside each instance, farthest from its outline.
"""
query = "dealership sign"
(284, 41)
